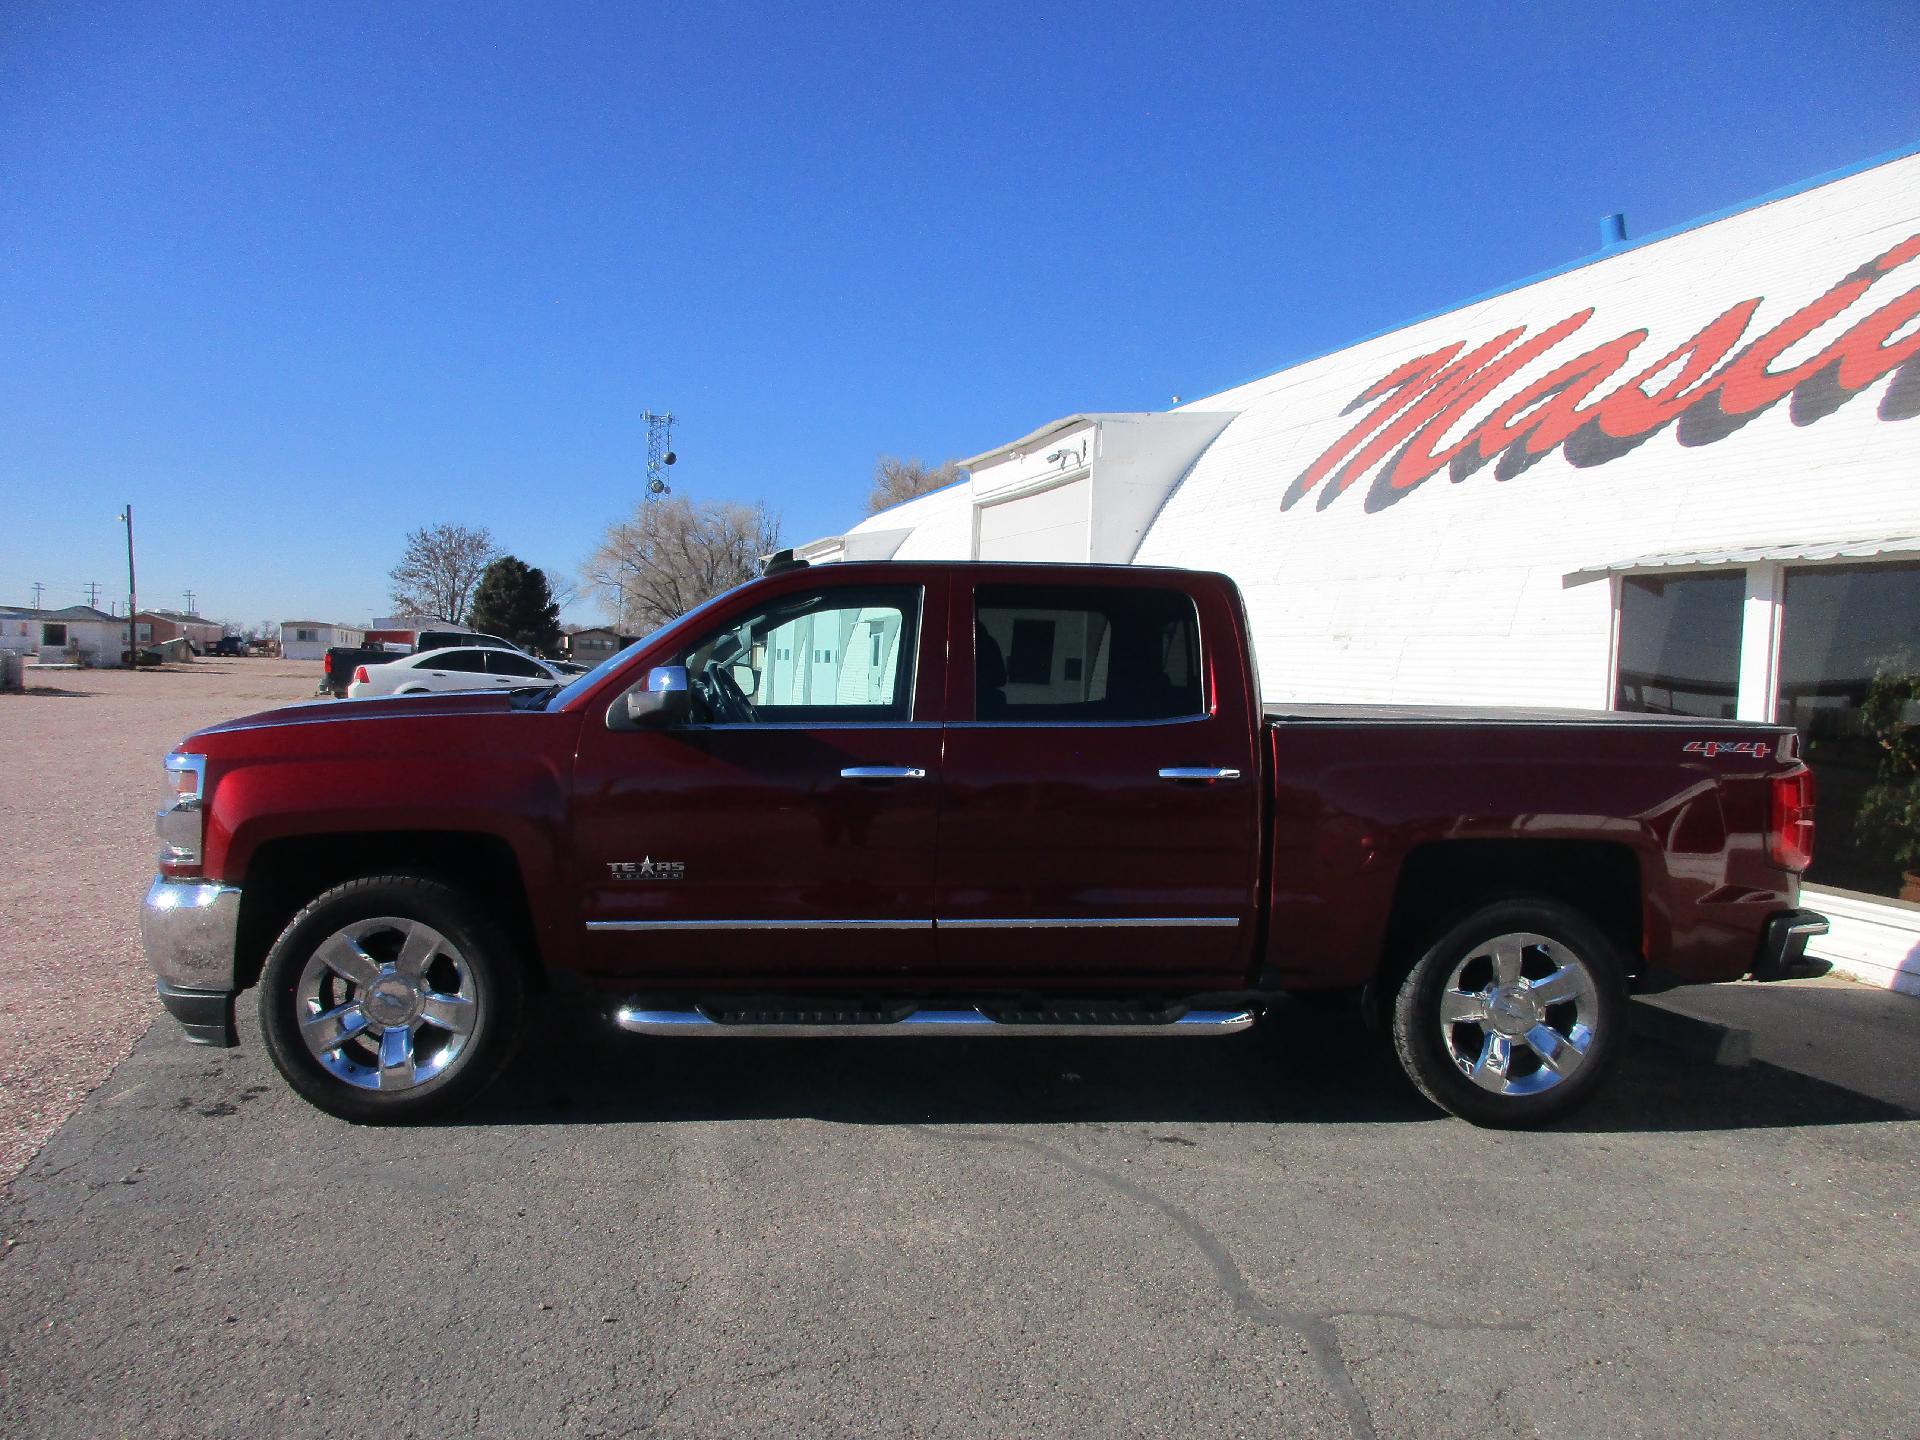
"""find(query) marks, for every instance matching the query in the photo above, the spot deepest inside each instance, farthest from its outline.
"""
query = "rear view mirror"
(661, 700)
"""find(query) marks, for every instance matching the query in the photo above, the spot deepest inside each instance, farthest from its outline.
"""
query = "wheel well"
(1442, 882)
(284, 875)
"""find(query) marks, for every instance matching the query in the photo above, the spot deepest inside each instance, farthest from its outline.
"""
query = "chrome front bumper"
(187, 928)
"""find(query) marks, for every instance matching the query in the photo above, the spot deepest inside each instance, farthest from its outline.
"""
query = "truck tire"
(1513, 1016)
(389, 999)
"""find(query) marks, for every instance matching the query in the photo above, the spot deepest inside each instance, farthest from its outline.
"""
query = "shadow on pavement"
(1855, 1036)
(1302, 1065)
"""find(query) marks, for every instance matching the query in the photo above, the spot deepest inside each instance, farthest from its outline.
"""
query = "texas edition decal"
(1427, 397)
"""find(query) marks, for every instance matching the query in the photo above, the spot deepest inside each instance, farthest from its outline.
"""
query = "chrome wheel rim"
(1518, 1013)
(387, 1004)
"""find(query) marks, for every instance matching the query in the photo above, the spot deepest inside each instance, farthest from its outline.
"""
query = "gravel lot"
(77, 810)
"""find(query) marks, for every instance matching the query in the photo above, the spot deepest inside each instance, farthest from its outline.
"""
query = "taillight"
(360, 675)
(1790, 830)
(326, 662)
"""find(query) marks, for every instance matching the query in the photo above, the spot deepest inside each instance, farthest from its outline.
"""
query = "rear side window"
(474, 661)
(505, 662)
(1085, 653)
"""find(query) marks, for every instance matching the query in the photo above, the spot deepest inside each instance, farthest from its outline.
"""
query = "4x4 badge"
(1710, 748)
(647, 869)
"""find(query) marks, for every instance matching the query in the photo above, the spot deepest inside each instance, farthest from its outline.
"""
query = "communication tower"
(659, 452)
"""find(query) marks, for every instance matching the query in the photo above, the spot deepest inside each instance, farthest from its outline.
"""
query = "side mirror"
(662, 700)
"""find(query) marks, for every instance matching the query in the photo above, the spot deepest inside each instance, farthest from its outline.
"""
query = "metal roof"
(1035, 438)
(70, 613)
(1855, 547)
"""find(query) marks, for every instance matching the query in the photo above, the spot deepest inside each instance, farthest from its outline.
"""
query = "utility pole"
(189, 595)
(93, 594)
(37, 588)
(133, 595)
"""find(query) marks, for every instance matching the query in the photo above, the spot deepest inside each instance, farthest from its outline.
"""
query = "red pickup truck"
(962, 800)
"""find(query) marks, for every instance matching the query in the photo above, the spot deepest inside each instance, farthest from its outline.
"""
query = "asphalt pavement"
(1261, 1235)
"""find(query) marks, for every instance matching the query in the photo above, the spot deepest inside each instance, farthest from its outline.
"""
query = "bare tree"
(896, 481)
(441, 566)
(669, 555)
(564, 591)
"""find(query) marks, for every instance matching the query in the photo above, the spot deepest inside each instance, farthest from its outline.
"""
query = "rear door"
(1100, 820)
(452, 670)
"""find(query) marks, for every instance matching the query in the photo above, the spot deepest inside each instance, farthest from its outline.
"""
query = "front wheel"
(1514, 1015)
(390, 998)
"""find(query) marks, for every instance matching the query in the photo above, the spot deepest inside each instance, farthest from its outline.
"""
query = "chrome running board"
(963, 1024)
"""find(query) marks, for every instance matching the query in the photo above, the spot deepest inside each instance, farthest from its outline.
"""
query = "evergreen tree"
(515, 602)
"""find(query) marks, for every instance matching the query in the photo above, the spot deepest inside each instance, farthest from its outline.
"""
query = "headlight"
(181, 824)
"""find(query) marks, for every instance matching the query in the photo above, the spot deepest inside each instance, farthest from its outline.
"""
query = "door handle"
(883, 772)
(1199, 774)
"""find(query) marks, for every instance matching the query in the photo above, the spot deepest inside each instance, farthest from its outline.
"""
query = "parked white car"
(466, 667)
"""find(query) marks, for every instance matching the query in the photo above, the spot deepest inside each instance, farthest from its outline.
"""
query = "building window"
(54, 636)
(1680, 644)
(306, 635)
(1850, 684)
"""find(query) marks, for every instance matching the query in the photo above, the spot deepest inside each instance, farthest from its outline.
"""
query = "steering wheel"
(726, 699)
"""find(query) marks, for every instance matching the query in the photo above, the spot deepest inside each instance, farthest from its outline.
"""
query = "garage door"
(1051, 525)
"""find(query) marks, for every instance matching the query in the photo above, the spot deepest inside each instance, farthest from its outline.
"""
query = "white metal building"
(311, 639)
(1683, 475)
(76, 634)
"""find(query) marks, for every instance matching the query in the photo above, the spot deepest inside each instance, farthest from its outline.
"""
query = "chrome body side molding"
(759, 924)
(1055, 922)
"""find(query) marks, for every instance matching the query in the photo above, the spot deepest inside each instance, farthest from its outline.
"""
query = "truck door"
(783, 837)
(1100, 812)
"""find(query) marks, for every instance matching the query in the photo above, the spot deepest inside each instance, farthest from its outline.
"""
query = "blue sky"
(295, 280)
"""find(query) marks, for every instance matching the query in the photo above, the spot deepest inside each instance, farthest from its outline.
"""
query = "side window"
(466, 661)
(1085, 653)
(505, 662)
(821, 657)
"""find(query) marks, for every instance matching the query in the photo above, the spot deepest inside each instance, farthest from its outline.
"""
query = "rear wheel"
(390, 998)
(1514, 1015)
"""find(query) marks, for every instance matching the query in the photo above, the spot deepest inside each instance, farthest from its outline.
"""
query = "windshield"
(572, 691)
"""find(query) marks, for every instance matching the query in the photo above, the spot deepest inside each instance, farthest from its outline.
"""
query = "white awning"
(1854, 547)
